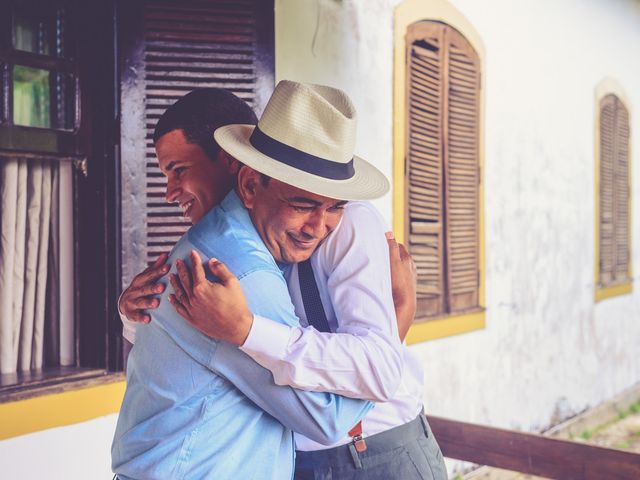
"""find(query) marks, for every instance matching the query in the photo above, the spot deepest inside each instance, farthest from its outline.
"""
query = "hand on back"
(404, 280)
(218, 309)
(139, 295)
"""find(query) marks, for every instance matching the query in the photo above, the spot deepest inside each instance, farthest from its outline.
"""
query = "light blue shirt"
(199, 408)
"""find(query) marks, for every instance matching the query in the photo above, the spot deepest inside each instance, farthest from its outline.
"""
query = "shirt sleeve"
(323, 417)
(363, 359)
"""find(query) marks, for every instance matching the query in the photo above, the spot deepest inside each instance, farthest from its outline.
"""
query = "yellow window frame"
(407, 13)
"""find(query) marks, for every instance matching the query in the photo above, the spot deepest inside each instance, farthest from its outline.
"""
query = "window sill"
(78, 397)
(425, 330)
(603, 293)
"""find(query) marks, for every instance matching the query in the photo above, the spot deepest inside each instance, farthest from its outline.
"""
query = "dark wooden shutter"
(190, 45)
(425, 164)
(607, 154)
(621, 173)
(443, 78)
(614, 192)
(461, 159)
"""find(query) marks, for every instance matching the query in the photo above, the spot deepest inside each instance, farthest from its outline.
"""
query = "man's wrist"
(244, 327)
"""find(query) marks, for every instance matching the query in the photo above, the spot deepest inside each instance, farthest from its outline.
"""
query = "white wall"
(76, 452)
(332, 42)
(548, 350)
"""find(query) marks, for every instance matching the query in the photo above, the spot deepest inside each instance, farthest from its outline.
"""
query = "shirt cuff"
(267, 339)
(128, 327)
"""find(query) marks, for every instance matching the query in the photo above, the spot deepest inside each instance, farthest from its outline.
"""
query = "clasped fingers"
(180, 293)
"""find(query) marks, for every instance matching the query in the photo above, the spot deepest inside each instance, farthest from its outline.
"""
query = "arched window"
(442, 171)
(614, 246)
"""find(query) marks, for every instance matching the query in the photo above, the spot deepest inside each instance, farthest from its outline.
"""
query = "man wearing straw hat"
(303, 168)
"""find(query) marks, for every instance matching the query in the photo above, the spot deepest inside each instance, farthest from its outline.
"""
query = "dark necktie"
(316, 316)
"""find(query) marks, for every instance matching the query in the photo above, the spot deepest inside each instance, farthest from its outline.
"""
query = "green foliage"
(586, 435)
(622, 414)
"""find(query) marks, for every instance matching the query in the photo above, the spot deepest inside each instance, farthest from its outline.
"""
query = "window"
(613, 273)
(442, 168)
(72, 167)
(37, 131)
(438, 126)
(54, 314)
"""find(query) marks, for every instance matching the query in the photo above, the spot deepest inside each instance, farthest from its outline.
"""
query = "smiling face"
(291, 222)
(195, 182)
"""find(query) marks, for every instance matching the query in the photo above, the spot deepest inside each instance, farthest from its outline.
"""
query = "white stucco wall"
(548, 349)
(76, 452)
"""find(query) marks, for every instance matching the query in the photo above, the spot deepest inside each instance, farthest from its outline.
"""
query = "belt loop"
(355, 456)
(425, 424)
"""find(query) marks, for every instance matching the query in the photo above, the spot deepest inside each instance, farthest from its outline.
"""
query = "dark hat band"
(301, 160)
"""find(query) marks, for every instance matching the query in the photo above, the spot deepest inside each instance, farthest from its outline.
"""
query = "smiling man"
(206, 182)
(199, 175)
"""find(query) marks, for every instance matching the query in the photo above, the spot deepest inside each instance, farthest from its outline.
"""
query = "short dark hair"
(200, 112)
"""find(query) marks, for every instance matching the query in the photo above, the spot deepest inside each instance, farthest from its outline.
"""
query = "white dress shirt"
(364, 358)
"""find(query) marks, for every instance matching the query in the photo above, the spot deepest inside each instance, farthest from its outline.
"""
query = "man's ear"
(248, 182)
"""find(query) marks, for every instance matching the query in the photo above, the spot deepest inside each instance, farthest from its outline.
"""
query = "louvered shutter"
(425, 164)
(461, 159)
(442, 167)
(607, 155)
(621, 175)
(614, 192)
(189, 45)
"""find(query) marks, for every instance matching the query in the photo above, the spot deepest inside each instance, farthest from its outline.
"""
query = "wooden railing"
(533, 454)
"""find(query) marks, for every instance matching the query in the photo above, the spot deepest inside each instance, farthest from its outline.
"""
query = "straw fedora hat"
(305, 138)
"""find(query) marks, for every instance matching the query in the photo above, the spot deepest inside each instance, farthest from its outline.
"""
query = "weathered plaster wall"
(548, 349)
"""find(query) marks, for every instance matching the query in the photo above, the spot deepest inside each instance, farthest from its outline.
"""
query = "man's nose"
(316, 224)
(172, 192)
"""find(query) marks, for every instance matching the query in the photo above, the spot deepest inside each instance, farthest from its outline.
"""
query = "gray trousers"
(407, 452)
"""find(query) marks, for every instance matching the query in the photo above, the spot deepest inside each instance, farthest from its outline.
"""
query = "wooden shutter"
(607, 154)
(189, 45)
(621, 175)
(425, 164)
(461, 160)
(442, 167)
(614, 192)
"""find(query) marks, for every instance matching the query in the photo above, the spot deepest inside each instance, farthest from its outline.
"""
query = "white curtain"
(25, 193)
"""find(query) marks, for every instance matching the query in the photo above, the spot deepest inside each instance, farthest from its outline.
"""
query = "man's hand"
(404, 281)
(138, 296)
(216, 309)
